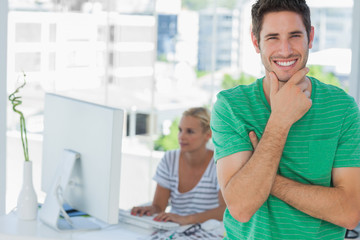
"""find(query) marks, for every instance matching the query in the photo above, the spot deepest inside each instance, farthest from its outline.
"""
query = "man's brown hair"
(261, 7)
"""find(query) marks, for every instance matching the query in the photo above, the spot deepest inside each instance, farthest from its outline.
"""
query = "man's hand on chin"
(290, 102)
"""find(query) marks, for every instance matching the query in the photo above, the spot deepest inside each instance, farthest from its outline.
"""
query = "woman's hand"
(158, 205)
(161, 217)
(146, 210)
(172, 217)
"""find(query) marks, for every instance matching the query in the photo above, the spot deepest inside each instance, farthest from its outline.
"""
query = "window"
(112, 52)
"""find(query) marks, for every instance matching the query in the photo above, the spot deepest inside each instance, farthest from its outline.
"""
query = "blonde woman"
(186, 177)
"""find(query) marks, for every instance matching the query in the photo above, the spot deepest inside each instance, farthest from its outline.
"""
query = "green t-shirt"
(326, 137)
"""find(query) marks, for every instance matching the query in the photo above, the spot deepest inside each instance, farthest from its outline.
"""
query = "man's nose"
(285, 48)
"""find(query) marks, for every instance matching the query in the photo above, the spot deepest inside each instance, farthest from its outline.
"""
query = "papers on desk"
(180, 234)
(201, 234)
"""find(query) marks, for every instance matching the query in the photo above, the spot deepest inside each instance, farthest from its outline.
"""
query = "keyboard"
(145, 221)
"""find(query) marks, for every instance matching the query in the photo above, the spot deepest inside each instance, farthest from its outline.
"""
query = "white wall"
(355, 71)
(3, 59)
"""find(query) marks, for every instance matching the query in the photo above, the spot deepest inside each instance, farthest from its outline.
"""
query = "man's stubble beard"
(268, 66)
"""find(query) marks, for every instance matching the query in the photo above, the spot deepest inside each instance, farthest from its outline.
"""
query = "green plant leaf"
(16, 101)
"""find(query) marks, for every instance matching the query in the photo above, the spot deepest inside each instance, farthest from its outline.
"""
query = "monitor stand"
(53, 205)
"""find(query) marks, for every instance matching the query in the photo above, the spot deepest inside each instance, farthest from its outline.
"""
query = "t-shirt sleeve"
(229, 134)
(162, 175)
(348, 150)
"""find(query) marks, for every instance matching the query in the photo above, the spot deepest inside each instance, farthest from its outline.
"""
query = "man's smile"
(285, 63)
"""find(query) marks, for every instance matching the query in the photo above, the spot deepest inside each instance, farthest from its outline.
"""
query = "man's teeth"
(285, 64)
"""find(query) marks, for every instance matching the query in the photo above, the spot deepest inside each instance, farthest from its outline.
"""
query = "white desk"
(11, 228)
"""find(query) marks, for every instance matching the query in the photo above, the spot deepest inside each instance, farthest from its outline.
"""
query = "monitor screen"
(95, 132)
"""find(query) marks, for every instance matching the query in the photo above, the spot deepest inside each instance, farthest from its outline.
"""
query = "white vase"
(27, 206)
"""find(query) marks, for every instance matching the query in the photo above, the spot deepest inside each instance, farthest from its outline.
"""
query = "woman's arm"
(158, 205)
(215, 213)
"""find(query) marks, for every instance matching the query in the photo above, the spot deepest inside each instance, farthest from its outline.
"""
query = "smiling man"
(301, 180)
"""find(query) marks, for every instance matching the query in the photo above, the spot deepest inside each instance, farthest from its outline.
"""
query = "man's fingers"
(274, 84)
(253, 139)
(298, 76)
(307, 93)
(303, 85)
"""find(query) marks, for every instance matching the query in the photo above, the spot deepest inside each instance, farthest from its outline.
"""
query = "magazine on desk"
(210, 230)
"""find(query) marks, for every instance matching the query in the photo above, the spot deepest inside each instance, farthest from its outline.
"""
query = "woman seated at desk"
(187, 176)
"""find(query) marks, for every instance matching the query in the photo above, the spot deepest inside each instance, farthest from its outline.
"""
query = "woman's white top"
(202, 197)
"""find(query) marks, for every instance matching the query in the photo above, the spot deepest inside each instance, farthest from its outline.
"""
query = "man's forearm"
(331, 204)
(253, 182)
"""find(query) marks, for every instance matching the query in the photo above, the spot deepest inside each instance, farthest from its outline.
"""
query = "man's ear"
(311, 38)
(255, 42)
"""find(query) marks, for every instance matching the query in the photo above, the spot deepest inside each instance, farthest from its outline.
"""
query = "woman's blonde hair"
(201, 113)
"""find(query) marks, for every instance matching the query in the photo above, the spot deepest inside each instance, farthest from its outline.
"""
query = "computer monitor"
(94, 132)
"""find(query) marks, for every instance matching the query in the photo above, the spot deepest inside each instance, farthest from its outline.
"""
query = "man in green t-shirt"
(301, 180)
